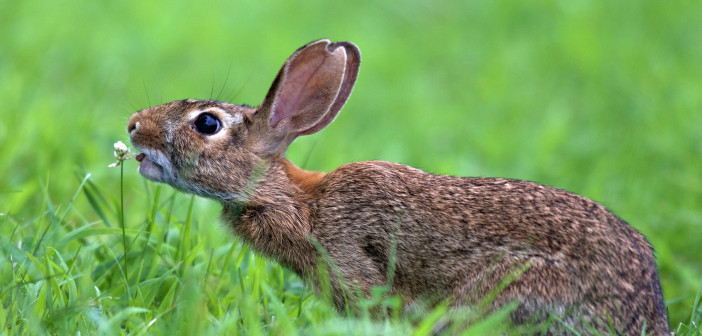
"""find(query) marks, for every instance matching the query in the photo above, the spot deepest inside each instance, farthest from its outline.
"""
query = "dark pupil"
(207, 124)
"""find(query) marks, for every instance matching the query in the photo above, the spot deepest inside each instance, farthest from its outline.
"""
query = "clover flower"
(122, 153)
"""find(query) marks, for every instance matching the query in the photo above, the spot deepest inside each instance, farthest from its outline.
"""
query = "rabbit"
(430, 236)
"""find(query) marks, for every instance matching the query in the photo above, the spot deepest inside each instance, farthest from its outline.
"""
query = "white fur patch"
(235, 119)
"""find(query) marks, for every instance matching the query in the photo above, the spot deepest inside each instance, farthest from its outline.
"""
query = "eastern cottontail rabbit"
(455, 237)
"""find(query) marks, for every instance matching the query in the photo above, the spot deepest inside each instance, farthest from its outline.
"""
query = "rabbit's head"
(210, 148)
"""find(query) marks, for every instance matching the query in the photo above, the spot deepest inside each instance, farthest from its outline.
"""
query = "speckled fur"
(456, 237)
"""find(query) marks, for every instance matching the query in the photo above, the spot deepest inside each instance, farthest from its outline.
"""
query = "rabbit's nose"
(132, 125)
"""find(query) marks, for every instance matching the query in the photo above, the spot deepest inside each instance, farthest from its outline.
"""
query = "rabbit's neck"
(276, 217)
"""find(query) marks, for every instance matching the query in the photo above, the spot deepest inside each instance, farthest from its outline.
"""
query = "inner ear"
(309, 83)
(307, 94)
(353, 63)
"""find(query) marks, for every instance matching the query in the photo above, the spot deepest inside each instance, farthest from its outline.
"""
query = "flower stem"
(121, 218)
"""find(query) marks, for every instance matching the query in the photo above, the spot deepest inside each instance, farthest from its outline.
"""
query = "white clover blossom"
(122, 153)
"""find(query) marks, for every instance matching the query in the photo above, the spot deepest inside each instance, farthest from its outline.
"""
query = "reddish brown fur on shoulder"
(303, 179)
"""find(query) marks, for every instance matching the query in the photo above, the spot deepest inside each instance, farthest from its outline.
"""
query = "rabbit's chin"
(151, 170)
(154, 165)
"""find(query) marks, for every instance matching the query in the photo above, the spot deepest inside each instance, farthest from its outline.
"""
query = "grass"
(180, 284)
(600, 98)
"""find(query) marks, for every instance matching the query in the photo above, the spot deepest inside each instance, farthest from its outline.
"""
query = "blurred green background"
(602, 98)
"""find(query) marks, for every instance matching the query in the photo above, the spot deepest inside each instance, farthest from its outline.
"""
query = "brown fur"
(455, 237)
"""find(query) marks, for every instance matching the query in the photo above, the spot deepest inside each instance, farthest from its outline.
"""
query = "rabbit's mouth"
(154, 166)
(149, 169)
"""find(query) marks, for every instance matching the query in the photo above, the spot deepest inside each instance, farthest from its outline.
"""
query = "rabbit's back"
(461, 237)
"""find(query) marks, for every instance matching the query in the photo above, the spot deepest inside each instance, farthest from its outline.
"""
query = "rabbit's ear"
(311, 88)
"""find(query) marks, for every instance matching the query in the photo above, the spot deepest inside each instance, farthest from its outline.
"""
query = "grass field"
(602, 98)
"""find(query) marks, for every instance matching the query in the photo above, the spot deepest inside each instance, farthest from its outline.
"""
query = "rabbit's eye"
(207, 124)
